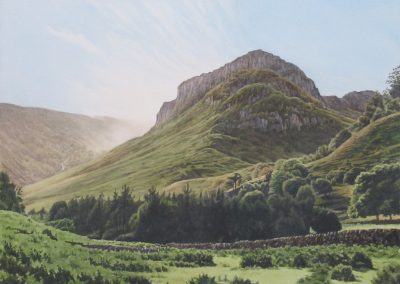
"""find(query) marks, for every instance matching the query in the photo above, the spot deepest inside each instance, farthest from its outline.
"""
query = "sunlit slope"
(37, 143)
(377, 143)
(253, 116)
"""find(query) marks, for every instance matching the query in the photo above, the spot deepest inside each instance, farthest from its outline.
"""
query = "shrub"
(134, 279)
(322, 186)
(389, 275)
(48, 233)
(198, 258)
(291, 186)
(352, 174)
(343, 273)
(331, 258)
(202, 279)
(89, 279)
(320, 275)
(336, 177)
(238, 280)
(361, 261)
(260, 260)
(247, 261)
(300, 261)
(324, 221)
(63, 224)
(339, 139)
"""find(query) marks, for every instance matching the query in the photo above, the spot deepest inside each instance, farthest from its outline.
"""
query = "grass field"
(29, 235)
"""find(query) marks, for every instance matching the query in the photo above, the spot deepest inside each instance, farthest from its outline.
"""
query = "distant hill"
(37, 143)
(351, 104)
(248, 115)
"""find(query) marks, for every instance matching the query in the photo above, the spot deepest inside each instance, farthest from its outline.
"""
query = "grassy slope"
(197, 144)
(38, 143)
(27, 234)
(377, 143)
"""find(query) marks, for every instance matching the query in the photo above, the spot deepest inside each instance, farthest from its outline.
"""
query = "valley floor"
(156, 263)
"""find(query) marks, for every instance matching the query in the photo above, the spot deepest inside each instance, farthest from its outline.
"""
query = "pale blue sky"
(124, 58)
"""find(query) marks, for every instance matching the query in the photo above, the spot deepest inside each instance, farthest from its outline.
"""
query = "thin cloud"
(76, 39)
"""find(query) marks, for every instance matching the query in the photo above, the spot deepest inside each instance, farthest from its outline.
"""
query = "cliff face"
(192, 90)
(352, 103)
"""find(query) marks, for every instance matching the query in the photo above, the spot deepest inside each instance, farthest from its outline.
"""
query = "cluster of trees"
(96, 216)
(281, 206)
(394, 82)
(377, 192)
(379, 106)
(10, 198)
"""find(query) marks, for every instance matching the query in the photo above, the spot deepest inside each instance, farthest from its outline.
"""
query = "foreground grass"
(29, 235)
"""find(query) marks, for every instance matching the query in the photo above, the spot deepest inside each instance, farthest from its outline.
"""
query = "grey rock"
(192, 90)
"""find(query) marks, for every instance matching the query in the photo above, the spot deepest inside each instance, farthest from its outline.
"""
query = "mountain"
(37, 143)
(250, 116)
(192, 90)
(351, 104)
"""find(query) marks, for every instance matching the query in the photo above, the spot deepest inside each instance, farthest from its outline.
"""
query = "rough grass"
(377, 143)
(28, 235)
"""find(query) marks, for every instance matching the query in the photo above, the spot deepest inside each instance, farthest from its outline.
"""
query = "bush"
(252, 260)
(322, 186)
(300, 261)
(291, 186)
(331, 258)
(361, 261)
(202, 279)
(198, 258)
(63, 224)
(343, 273)
(339, 139)
(320, 275)
(134, 279)
(352, 174)
(238, 280)
(324, 221)
(336, 177)
(389, 275)
(48, 233)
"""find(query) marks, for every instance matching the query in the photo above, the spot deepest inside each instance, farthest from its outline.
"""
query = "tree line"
(283, 205)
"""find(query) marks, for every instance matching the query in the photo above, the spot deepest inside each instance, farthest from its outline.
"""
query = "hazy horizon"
(124, 59)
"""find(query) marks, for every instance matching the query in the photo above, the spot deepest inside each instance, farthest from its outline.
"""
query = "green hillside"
(377, 143)
(253, 116)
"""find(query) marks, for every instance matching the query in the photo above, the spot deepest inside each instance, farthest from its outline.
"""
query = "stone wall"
(389, 237)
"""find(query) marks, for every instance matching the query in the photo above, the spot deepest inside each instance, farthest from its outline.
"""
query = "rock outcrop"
(192, 90)
(353, 101)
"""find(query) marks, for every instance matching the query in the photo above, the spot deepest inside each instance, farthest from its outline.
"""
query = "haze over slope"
(252, 115)
(37, 143)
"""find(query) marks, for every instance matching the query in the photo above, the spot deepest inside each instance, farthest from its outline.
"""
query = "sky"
(125, 58)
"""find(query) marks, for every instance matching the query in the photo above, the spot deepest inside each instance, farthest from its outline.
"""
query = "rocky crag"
(192, 90)
(352, 104)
